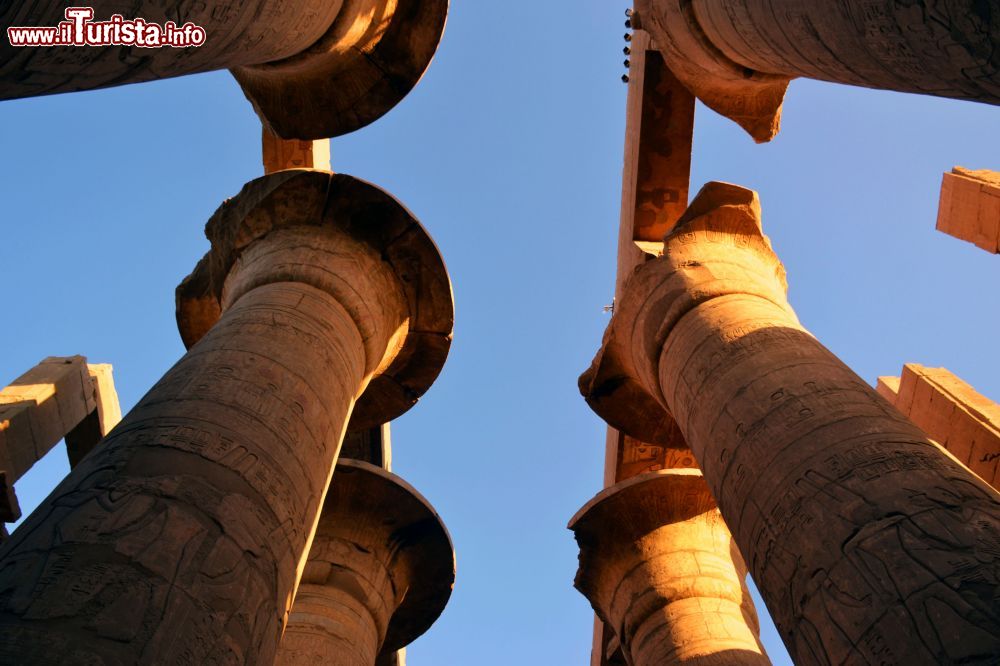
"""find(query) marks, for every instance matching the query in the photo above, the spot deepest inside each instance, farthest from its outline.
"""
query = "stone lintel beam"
(311, 69)
(951, 412)
(659, 566)
(970, 207)
(39, 408)
(279, 154)
(738, 56)
(182, 537)
(867, 541)
(381, 570)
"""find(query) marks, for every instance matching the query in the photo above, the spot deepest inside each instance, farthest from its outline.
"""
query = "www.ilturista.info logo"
(79, 30)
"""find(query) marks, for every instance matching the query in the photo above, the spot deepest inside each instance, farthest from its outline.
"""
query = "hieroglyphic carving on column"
(238, 33)
(868, 543)
(659, 566)
(312, 69)
(181, 538)
(738, 56)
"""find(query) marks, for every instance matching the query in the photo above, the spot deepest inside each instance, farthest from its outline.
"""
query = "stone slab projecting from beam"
(952, 413)
(659, 566)
(311, 69)
(380, 572)
(738, 56)
(869, 543)
(182, 537)
(970, 207)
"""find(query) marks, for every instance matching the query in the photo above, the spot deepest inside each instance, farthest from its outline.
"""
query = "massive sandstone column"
(311, 68)
(659, 566)
(868, 543)
(181, 538)
(738, 56)
(380, 572)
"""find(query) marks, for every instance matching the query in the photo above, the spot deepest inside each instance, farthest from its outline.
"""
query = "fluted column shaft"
(180, 540)
(868, 543)
(238, 33)
(659, 566)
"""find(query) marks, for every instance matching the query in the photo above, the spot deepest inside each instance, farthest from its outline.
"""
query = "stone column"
(868, 543)
(380, 572)
(659, 566)
(181, 538)
(311, 68)
(738, 56)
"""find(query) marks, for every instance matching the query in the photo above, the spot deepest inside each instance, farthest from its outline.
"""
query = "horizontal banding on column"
(658, 565)
(751, 98)
(374, 53)
(298, 199)
(622, 384)
(387, 530)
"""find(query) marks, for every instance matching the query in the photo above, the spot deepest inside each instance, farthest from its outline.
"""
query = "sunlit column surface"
(738, 56)
(181, 538)
(311, 68)
(868, 542)
(660, 567)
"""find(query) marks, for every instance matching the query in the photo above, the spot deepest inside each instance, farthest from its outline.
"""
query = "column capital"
(712, 251)
(304, 199)
(382, 544)
(752, 99)
(659, 566)
(372, 55)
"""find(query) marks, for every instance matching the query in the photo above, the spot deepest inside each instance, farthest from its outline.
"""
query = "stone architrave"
(867, 541)
(279, 154)
(738, 56)
(311, 68)
(952, 413)
(655, 182)
(660, 567)
(181, 539)
(380, 572)
(970, 207)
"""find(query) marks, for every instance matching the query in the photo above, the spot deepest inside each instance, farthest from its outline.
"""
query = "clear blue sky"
(510, 152)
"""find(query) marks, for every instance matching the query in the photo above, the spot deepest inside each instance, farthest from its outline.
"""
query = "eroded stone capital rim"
(306, 197)
(622, 384)
(413, 527)
(374, 53)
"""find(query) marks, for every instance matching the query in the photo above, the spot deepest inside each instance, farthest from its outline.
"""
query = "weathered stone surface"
(280, 154)
(867, 542)
(311, 69)
(300, 197)
(380, 572)
(738, 56)
(39, 408)
(655, 183)
(372, 55)
(181, 538)
(659, 566)
(970, 207)
(952, 413)
(82, 439)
